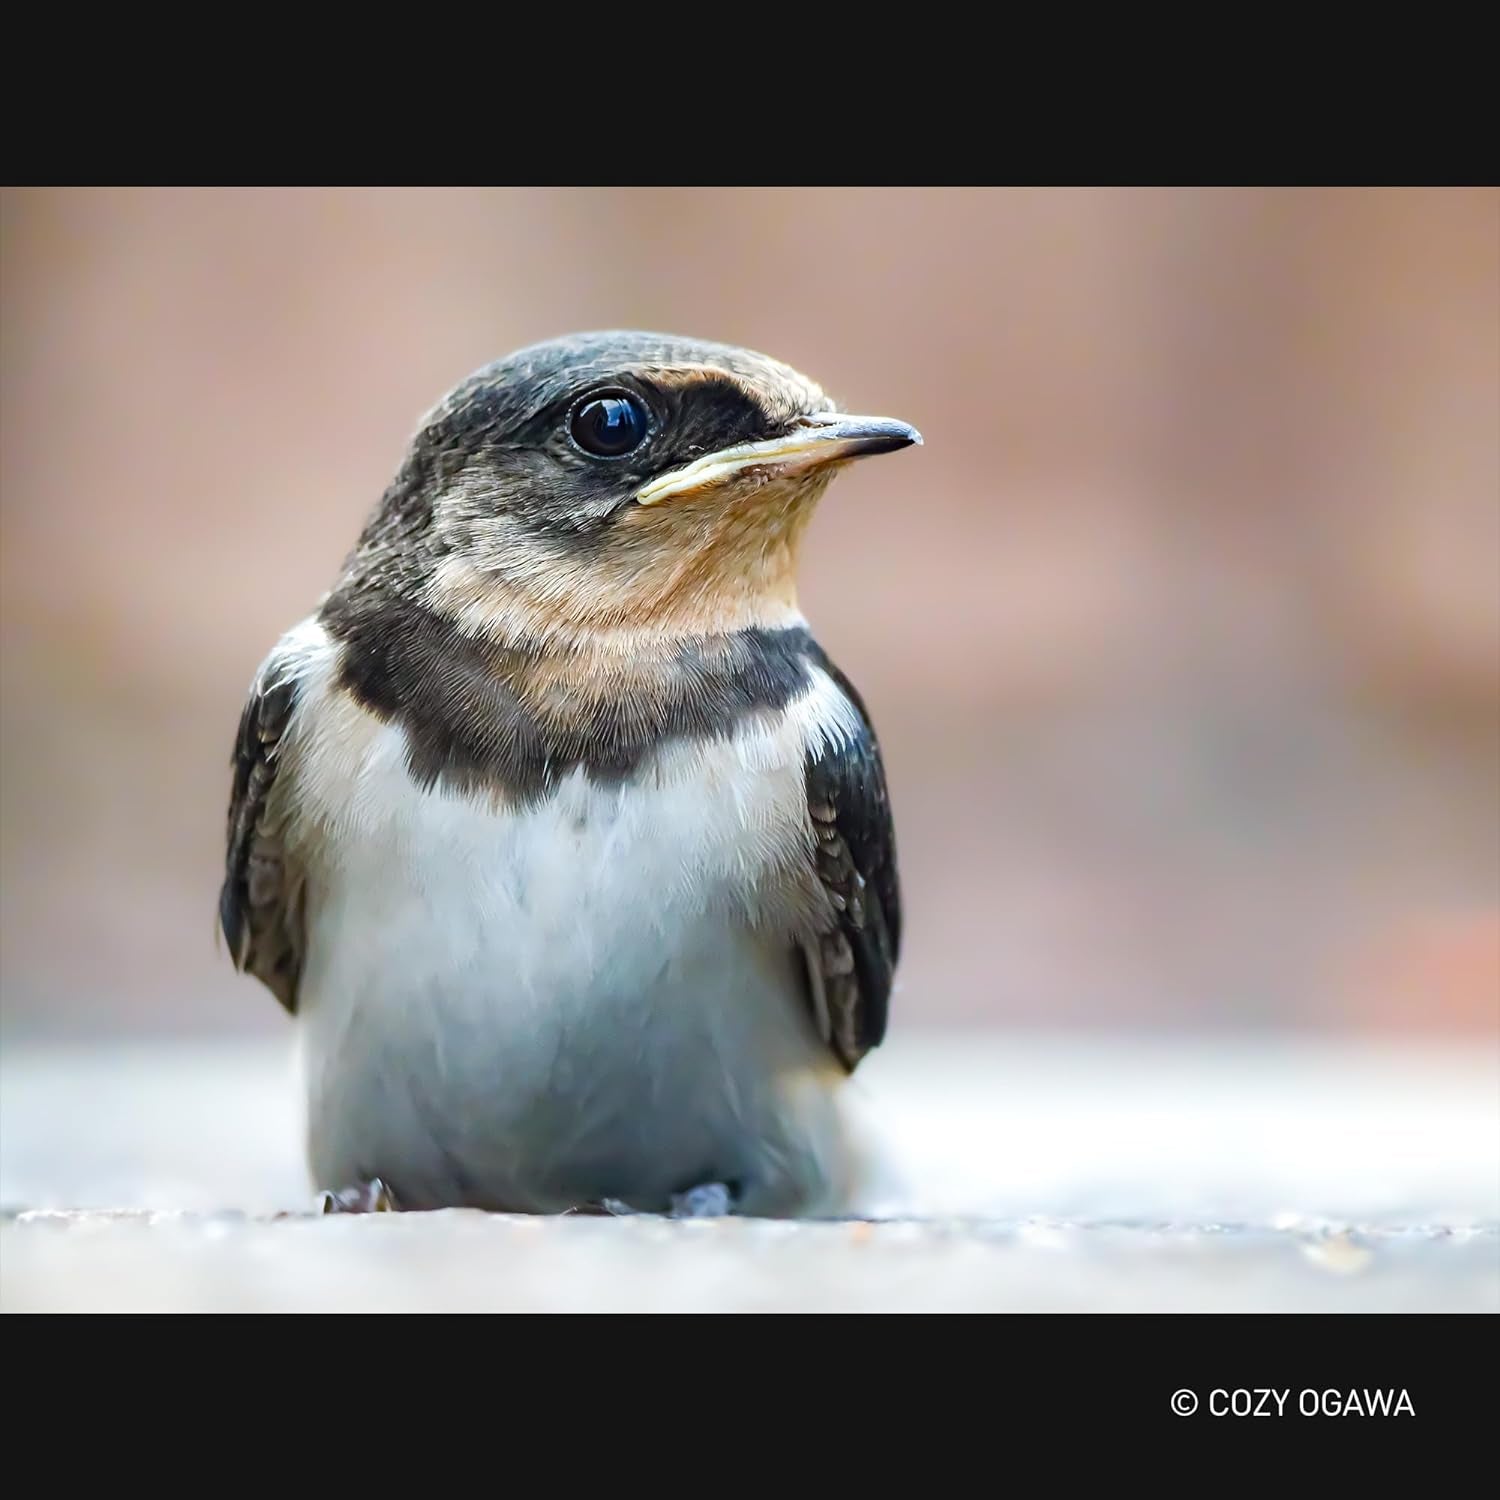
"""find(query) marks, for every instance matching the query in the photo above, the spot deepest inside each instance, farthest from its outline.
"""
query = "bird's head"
(616, 482)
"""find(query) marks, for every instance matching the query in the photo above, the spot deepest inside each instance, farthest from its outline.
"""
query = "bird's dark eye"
(609, 426)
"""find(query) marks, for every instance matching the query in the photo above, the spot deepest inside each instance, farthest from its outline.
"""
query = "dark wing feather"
(852, 965)
(260, 904)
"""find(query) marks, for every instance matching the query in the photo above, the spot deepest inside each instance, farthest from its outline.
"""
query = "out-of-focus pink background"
(1182, 632)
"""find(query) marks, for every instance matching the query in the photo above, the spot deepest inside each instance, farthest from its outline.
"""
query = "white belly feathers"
(504, 1003)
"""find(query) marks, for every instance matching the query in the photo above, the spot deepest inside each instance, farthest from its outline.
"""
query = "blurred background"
(1182, 632)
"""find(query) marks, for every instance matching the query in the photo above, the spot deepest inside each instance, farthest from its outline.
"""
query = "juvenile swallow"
(564, 842)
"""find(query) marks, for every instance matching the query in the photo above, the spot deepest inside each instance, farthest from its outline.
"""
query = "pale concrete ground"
(1023, 1174)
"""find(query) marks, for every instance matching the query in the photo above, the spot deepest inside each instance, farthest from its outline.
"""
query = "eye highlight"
(609, 426)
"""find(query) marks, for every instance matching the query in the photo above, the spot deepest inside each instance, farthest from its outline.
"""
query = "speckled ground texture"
(1019, 1174)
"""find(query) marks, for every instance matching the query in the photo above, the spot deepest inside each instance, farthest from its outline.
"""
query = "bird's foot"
(607, 1208)
(709, 1200)
(372, 1197)
(602, 1208)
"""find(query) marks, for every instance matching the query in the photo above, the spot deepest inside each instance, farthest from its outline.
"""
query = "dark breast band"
(479, 715)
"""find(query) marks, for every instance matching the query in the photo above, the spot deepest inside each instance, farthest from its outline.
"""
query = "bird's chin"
(689, 570)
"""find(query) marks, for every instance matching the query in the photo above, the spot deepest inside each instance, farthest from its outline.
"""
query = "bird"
(564, 843)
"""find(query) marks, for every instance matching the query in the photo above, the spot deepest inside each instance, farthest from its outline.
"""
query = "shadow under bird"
(554, 827)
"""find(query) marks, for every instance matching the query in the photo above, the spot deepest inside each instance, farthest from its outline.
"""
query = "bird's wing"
(852, 964)
(260, 904)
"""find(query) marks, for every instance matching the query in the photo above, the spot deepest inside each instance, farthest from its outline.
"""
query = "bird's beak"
(825, 438)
